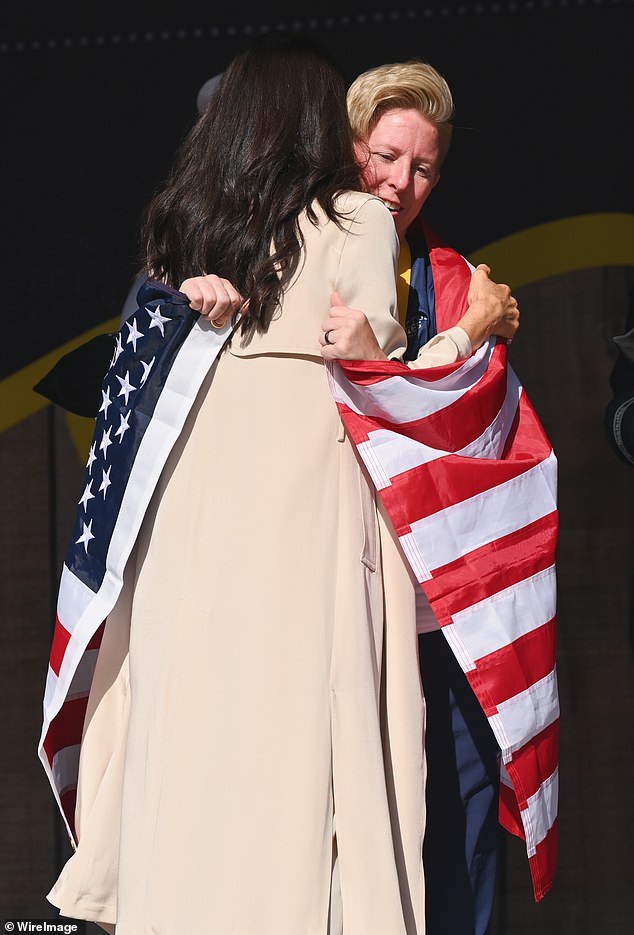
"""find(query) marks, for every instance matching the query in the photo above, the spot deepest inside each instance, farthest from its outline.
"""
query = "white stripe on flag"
(397, 453)
(525, 714)
(504, 776)
(387, 454)
(82, 679)
(65, 768)
(542, 811)
(49, 690)
(414, 557)
(74, 597)
(501, 618)
(463, 527)
(491, 443)
(408, 399)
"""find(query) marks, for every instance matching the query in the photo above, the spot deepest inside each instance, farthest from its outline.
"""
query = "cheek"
(422, 191)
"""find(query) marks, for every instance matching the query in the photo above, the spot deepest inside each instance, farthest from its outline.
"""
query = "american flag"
(468, 479)
(163, 353)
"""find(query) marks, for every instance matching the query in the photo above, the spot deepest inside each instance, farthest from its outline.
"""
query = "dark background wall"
(95, 104)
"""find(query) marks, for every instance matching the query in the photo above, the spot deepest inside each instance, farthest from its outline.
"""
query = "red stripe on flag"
(436, 485)
(509, 813)
(68, 801)
(526, 438)
(493, 567)
(463, 421)
(96, 638)
(66, 728)
(515, 667)
(457, 424)
(370, 372)
(544, 862)
(433, 374)
(61, 636)
(452, 278)
(357, 426)
(533, 763)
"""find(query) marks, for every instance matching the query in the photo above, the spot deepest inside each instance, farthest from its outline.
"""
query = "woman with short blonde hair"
(414, 85)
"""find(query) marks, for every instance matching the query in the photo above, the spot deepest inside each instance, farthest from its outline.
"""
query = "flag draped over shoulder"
(163, 353)
(468, 479)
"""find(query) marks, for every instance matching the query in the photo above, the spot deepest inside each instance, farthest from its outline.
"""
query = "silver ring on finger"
(327, 337)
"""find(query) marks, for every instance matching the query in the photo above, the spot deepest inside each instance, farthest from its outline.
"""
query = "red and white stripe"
(468, 479)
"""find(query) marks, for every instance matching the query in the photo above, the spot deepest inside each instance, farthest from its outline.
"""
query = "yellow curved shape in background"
(560, 247)
(527, 256)
(17, 399)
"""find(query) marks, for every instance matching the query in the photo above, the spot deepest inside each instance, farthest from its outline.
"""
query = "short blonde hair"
(414, 84)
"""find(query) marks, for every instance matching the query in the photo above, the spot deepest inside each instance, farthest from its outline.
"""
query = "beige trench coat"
(253, 761)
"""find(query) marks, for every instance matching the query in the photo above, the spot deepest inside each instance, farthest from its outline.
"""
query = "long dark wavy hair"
(275, 138)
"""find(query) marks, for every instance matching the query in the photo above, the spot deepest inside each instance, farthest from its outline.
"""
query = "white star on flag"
(134, 335)
(146, 369)
(105, 402)
(87, 495)
(92, 457)
(105, 483)
(86, 536)
(158, 320)
(126, 386)
(118, 350)
(124, 426)
(105, 441)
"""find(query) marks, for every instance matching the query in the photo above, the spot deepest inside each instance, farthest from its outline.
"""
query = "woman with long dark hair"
(252, 756)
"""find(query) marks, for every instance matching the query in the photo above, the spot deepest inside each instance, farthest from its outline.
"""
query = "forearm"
(446, 348)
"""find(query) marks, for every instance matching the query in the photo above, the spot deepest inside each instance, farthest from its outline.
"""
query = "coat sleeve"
(366, 280)
(445, 348)
(366, 273)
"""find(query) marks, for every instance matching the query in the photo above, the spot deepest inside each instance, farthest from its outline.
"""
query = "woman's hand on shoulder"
(492, 309)
(214, 297)
(347, 335)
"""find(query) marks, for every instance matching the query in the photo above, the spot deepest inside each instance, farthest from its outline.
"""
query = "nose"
(399, 175)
